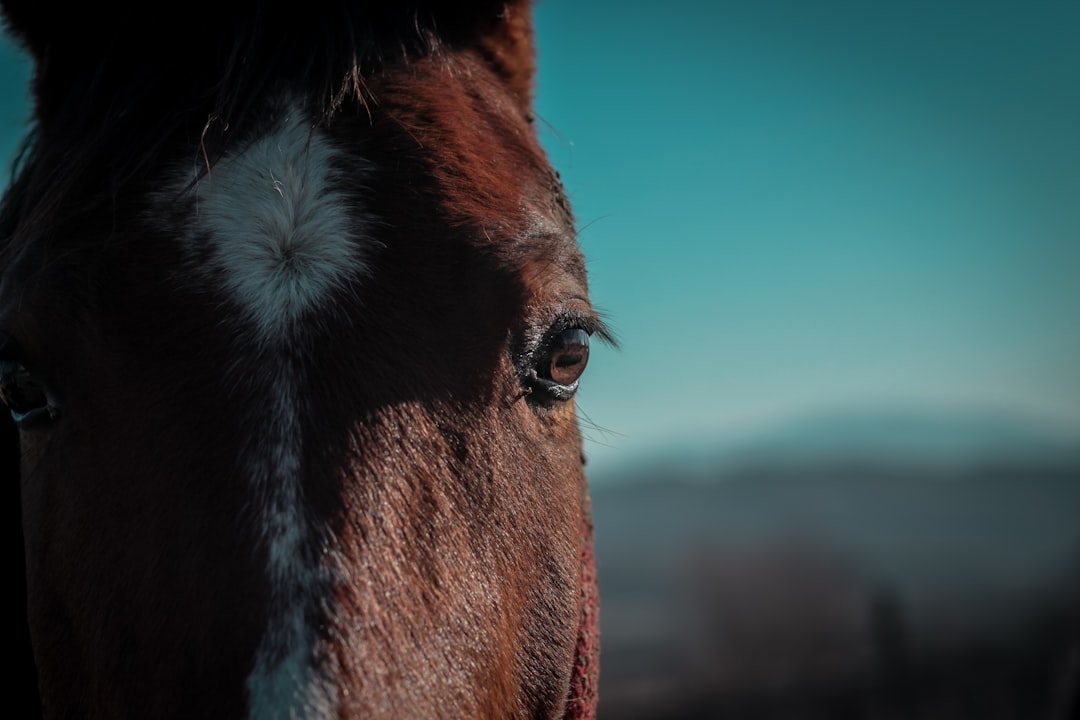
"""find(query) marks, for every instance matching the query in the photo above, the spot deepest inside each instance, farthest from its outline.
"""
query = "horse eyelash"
(594, 324)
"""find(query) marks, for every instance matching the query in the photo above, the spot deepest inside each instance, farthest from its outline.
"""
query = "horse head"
(292, 317)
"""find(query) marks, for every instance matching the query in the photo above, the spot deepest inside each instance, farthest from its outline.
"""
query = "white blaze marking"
(280, 235)
(281, 232)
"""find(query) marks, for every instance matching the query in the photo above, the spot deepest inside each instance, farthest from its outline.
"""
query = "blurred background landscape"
(835, 464)
(825, 572)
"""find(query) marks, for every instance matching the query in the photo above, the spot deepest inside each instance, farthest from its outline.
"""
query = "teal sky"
(792, 208)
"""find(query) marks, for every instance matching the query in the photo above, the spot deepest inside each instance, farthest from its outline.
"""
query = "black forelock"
(117, 90)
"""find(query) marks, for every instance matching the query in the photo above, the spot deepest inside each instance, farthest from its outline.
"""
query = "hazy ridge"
(777, 563)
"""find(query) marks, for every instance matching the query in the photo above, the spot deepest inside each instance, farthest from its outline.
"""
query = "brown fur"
(449, 495)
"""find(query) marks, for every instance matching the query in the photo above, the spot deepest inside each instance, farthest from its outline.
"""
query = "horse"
(292, 318)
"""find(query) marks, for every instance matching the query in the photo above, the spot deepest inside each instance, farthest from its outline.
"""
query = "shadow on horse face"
(293, 378)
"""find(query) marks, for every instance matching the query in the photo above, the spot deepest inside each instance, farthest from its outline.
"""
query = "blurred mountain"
(891, 436)
(914, 437)
(851, 551)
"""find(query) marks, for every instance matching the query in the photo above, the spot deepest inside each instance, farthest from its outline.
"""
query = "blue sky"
(795, 208)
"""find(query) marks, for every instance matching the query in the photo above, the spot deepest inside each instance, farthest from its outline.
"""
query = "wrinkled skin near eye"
(25, 397)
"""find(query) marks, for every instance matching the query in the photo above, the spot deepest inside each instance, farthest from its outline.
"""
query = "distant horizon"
(920, 436)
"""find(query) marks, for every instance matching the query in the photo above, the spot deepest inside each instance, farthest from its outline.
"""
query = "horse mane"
(247, 43)
(109, 106)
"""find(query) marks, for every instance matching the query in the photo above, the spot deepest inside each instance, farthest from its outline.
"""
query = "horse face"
(296, 412)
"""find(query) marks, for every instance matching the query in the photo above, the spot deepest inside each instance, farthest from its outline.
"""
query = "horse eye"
(563, 362)
(23, 395)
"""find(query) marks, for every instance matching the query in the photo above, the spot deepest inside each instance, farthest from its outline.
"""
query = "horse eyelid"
(590, 322)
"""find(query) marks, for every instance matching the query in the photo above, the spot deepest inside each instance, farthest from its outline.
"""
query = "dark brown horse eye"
(567, 357)
(22, 394)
